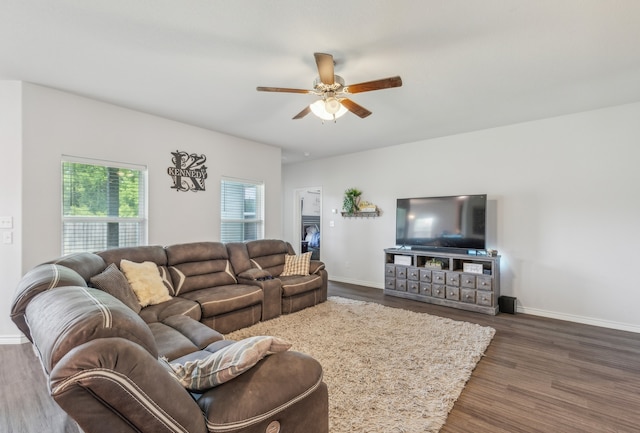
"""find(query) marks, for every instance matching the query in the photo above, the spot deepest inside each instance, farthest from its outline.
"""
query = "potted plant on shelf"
(351, 200)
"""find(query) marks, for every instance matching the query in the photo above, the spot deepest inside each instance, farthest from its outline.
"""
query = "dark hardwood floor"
(538, 375)
(25, 404)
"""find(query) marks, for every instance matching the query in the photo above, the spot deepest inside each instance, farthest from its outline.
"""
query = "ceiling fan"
(334, 95)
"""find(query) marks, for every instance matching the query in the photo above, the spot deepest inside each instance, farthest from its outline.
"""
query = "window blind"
(241, 215)
(103, 205)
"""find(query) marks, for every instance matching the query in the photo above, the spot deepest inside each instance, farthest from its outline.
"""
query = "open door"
(308, 221)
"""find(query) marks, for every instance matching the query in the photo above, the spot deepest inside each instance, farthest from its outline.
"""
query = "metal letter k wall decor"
(188, 171)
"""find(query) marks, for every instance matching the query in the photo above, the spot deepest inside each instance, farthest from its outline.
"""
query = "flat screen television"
(445, 223)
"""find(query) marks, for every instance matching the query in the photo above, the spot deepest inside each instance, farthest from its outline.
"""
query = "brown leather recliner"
(268, 255)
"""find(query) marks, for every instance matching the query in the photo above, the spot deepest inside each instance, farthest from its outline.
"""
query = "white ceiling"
(465, 64)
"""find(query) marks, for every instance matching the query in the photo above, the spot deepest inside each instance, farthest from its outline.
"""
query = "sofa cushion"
(296, 265)
(178, 336)
(145, 281)
(189, 277)
(224, 299)
(195, 252)
(199, 265)
(200, 335)
(239, 256)
(165, 276)
(67, 317)
(173, 307)
(170, 342)
(227, 363)
(112, 281)
(255, 274)
(148, 253)
(295, 285)
(268, 254)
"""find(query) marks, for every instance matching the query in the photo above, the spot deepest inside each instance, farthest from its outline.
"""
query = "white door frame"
(297, 215)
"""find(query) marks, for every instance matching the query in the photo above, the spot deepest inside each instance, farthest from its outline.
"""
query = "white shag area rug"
(387, 370)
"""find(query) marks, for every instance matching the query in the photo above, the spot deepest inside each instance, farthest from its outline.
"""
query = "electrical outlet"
(7, 238)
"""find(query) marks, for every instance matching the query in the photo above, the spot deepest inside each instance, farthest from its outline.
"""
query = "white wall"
(563, 195)
(10, 198)
(57, 123)
(311, 202)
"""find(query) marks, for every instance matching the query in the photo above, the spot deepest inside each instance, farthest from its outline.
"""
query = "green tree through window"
(103, 206)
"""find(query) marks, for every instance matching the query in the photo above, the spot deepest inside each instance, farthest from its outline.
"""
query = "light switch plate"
(6, 222)
(7, 238)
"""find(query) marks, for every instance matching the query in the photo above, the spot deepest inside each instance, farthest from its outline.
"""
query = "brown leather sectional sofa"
(105, 360)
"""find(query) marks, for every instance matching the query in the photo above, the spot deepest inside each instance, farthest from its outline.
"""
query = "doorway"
(308, 220)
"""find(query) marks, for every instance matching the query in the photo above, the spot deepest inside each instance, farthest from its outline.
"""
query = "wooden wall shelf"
(361, 214)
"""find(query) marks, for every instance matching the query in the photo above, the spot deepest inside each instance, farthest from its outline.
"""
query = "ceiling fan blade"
(325, 67)
(385, 83)
(303, 113)
(281, 89)
(356, 109)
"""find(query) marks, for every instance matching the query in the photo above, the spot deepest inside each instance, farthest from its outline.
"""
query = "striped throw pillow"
(227, 363)
(296, 265)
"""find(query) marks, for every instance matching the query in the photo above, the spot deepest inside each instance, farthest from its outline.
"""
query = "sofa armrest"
(284, 389)
(315, 266)
(38, 280)
(63, 319)
(112, 384)
(272, 292)
(255, 274)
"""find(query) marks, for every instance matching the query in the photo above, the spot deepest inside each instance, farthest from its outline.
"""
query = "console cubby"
(462, 281)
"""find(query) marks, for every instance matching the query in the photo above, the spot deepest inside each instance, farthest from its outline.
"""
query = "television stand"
(454, 280)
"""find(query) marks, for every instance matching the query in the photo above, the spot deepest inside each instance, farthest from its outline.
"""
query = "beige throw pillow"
(296, 265)
(145, 282)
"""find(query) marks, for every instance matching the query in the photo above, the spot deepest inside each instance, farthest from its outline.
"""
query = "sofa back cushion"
(62, 319)
(239, 257)
(85, 264)
(268, 254)
(199, 265)
(36, 281)
(151, 253)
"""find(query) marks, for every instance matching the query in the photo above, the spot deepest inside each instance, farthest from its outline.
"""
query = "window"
(103, 205)
(241, 210)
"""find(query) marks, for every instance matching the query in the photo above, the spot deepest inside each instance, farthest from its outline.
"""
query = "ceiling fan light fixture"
(328, 110)
(334, 96)
(332, 105)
